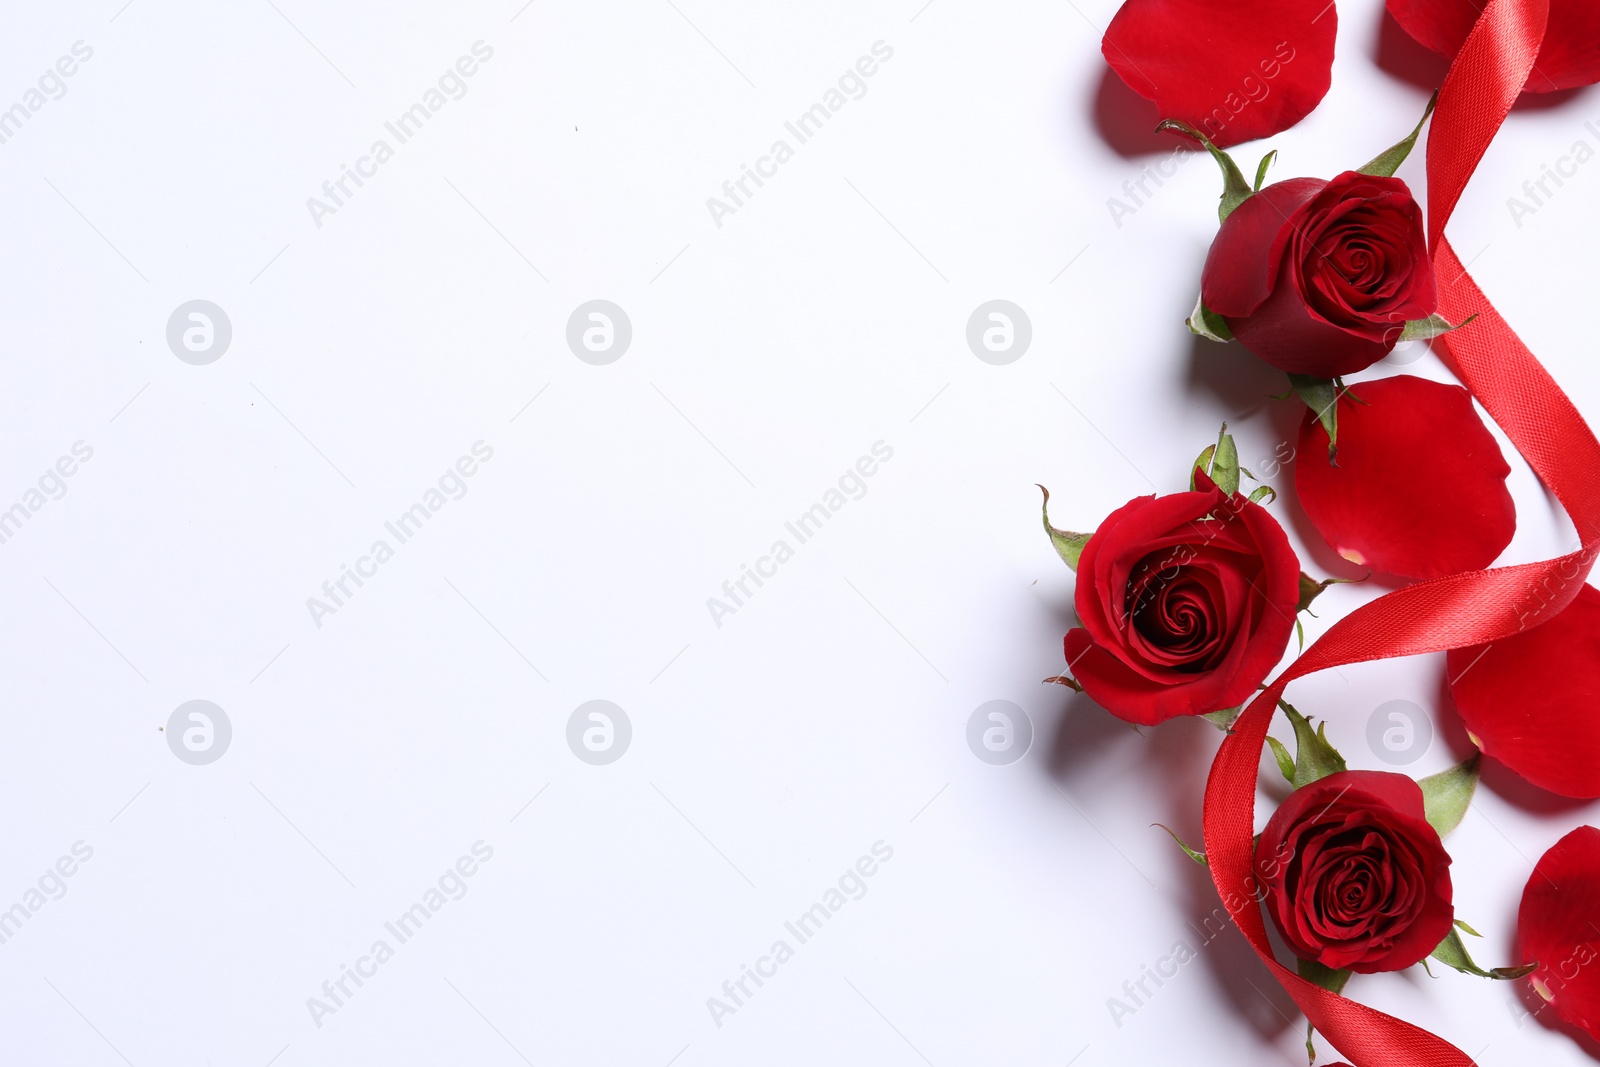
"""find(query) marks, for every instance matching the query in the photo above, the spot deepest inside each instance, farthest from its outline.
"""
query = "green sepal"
(1452, 952)
(1069, 546)
(1427, 329)
(1224, 719)
(1310, 588)
(1261, 170)
(1198, 857)
(1220, 462)
(1321, 395)
(1263, 492)
(1066, 680)
(1204, 322)
(1235, 190)
(1315, 758)
(1389, 162)
(1447, 795)
(1280, 752)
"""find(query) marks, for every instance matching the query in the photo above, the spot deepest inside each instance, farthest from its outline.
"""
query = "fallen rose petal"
(1532, 701)
(1559, 928)
(1569, 58)
(1419, 489)
(1235, 70)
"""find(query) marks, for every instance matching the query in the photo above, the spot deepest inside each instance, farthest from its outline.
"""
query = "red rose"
(1320, 278)
(1570, 56)
(1558, 927)
(1529, 700)
(1354, 876)
(1187, 602)
(1235, 71)
(1419, 485)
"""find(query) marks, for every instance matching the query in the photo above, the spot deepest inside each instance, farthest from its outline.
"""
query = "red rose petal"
(1570, 56)
(1532, 701)
(1419, 490)
(1242, 265)
(1559, 928)
(1234, 69)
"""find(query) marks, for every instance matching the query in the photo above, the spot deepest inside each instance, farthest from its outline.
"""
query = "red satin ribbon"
(1455, 612)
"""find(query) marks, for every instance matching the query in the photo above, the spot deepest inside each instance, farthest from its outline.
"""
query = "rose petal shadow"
(1085, 736)
(1126, 121)
(1496, 777)
(1243, 383)
(1398, 54)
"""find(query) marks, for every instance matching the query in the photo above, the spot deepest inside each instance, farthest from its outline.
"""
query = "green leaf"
(1069, 546)
(1446, 795)
(1463, 926)
(1235, 190)
(1452, 952)
(1208, 324)
(1389, 162)
(1198, 857)
(1285, 761)
(1261, 171)
(1315, 758)
(1427, 329)
(1321, 395)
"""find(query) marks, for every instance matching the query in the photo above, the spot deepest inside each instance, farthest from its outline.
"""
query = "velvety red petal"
(1241, 267)
(1570, 56)
(1236, 71)
(1532, 701)
(1559, 928)
(1419, 490)
(1286, 333)
(1136, 698)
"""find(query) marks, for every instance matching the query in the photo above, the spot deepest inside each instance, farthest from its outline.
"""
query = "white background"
(768, 354)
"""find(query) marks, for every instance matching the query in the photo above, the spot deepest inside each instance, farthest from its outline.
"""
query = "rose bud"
(1528, 700)
(1418, 485)
(1186, 601)
(1320, 278)
(1354, 876)
(1568, 58)
(1558, 927)
(1236, 71)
